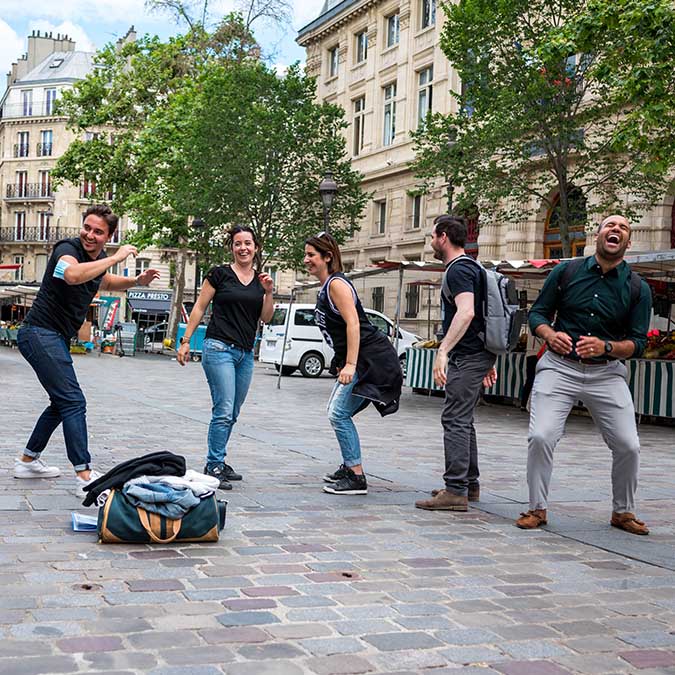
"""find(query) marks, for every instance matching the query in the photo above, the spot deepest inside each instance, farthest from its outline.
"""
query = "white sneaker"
(81, 483)
(35, 469)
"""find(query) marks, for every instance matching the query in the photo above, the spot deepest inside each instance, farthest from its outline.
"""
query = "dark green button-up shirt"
(594, 304)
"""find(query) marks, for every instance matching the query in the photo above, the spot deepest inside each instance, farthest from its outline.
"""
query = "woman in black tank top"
(365, 362)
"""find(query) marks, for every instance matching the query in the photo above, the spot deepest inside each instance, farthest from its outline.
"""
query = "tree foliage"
(554, 105)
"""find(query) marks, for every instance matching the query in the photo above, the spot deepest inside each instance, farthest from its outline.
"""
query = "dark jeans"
(48, 353)
(465, 375)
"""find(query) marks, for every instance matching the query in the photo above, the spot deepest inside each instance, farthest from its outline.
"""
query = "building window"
(27, 102)
(40, 266)
(88, 189)
(378, 299)
(412, 301)
(91, 135)
(45, 184)
(21, 185)
(389, 114)
(359, 124)
(50, 99)
(117, 234)
(578, 218)
(424, 94)
(381, 216)
(18, 260)
(19, 225)
(333, 61)
(416, 220)
(347, 266)
(428, 13)
(361, 46)
(142, 264)
(21, 147)
(44, 222)
(45, 146)
(393, 29)
(272, 271)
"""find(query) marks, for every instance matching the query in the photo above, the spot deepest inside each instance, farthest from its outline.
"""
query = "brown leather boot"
(629, 523)
(444, 501)
(531, 519)
(474, 493)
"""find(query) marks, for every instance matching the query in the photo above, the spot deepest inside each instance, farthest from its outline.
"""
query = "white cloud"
(64, 10)
(11, 48)
(83, 42)
(306, 11)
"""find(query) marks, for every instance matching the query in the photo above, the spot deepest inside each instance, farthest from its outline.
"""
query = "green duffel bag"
(120, 522)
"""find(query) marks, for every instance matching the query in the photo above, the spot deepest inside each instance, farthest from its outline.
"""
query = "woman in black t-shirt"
(365, 361)
(241, 298)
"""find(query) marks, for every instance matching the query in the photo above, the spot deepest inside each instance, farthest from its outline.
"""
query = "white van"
(306, 349)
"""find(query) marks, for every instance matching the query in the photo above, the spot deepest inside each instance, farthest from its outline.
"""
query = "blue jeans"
(48, 353)
(342, 406)
(229, 370)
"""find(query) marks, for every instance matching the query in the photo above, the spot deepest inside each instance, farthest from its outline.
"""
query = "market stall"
(651, 378)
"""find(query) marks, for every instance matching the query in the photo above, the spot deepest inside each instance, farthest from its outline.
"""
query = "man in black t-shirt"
(76, 271)
(462, 366)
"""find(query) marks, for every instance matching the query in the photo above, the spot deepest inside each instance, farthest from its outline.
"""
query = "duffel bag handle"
(145, 522)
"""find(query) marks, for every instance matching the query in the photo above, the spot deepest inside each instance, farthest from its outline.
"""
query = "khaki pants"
(559, 383)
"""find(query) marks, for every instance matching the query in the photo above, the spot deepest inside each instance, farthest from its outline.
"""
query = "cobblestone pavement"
(306, 582)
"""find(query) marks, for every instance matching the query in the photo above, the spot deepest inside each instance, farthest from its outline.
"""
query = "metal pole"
(429, 312)
(287, 327)
(397, 321)
(326, 227)
(194, 300)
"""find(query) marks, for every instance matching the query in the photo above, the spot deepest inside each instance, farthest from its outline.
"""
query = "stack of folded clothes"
(157, 482)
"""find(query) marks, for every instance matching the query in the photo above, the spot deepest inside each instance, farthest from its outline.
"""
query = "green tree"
(250, 147)
(551, 105)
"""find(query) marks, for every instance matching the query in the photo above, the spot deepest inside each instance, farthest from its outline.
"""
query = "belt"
(586, 362)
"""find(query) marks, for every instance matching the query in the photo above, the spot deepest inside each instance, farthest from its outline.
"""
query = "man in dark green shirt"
(589, 323)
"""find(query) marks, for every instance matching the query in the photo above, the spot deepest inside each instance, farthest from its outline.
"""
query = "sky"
(93, 23)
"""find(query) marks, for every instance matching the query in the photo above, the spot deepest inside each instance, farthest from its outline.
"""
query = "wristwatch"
(608, 347)
(186, 340)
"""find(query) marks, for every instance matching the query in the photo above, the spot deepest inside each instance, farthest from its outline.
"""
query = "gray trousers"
(559, 383)
(464, 382)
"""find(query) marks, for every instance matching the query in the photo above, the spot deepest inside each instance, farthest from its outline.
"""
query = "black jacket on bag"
(154, 464)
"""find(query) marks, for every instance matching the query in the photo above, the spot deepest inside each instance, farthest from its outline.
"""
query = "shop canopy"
(150, 302)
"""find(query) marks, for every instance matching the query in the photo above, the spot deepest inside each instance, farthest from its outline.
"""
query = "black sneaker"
(338, 475)
(217, 471)
(230, 473)
(350, 484)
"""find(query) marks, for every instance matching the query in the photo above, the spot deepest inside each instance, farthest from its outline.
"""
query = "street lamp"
(328, 189)
(199, 225)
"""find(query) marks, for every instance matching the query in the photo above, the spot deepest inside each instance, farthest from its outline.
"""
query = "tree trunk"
(177, 297)
(564, 222)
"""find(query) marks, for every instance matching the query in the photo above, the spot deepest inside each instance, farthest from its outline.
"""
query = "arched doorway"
(552, 240)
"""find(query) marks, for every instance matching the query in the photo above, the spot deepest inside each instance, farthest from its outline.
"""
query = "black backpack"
(575, 265)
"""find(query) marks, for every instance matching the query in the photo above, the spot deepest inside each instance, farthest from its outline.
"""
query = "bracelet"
(185, 340)
(349, 363)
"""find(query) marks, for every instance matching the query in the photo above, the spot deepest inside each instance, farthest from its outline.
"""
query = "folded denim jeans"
(161, 498)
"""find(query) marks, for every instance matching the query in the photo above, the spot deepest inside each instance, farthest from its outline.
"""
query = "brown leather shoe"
(474, 493)
(532, 519)
(444, 501)
(629, 523)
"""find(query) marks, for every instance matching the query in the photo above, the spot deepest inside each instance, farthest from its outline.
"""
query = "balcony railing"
(47, 233)
(33, 109)
(21, 149)
(33, 191)
(44, 149)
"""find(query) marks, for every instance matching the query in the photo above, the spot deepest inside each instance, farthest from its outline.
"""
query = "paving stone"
(297, 631)
(363, 626)
(649, 639)
(233, 635)
(416, 660)
(524, 632)
(157, 640)
(186, 670)
(135, 661)
(268, 591)
(468, 636)
(35, 665)
(387, 642)
(198, 655)
(249, 603)
(530, 668)
(264, 668)
(649, 658)
(329, 646)
(247, 618)
(533, 650)
(271, 650)
(467, 655)
(145, 585)
(307, 601)
(99, 643)
(345, 664)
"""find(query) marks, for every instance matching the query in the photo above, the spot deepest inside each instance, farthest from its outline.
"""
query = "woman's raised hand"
(267, 282)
